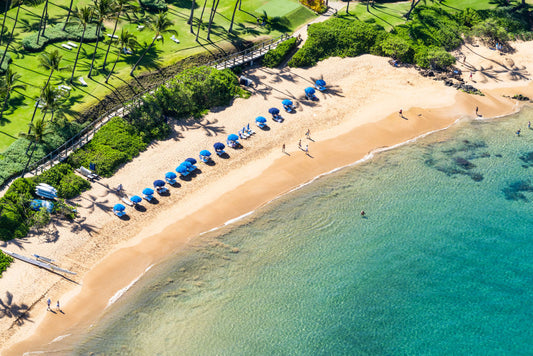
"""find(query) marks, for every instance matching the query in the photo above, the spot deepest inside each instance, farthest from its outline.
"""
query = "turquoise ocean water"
(442, 264)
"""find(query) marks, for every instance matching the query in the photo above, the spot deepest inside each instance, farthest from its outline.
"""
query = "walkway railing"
(87, 133)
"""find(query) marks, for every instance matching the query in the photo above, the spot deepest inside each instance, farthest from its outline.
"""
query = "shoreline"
(102, 281)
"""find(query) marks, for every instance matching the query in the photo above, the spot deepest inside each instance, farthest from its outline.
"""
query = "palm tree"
(159, 24)
(189, 21)
(42, 23)
(212, 17)
(233, 15)
(200, 21)
(10, 83)
(10, 39)
(83, 17)
(37, 133)
(68, 14)
(51, 99)
(121, 7)
(51, 61)
(347, 6)
(6, 9)
(413, 5)
(125, 40)
(103, 8)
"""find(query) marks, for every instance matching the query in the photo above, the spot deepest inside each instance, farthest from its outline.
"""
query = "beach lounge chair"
(173, 38)
(320, 85)
(87, 173)
(118, 210)
(159, 186)
(64, 45)
(190, 163)
(140, 27)
(243, 134)
(112, 36)
(82, 81)
(127, 51)
(249, 130)
(245, 81)
(72, 44)
(183, 170)
(219, 148)
(127, 201)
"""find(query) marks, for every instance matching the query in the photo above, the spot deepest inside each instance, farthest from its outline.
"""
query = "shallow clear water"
(442, 263)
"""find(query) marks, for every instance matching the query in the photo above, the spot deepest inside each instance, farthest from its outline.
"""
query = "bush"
(55, 33)
(5, 63)
(115, 144)
(154, 5)
(397, 48)
(5, 261)
(433, 57)
(276, 56)
(491, 31)
(63, 178)
(15, 213)
(336, 37)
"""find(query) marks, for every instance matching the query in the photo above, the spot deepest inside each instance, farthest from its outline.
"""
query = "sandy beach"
(357, 115)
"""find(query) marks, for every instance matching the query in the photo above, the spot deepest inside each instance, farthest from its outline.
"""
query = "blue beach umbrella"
(260, 119)
(286, 102)
(191, 160)
(181, 169)
(170, 175)
(136, 199)
(321, 83)
(186, 164)
(205, 153)
(309, 90)
(219, 146)
(233, 137)
(273, 111)
(119, 207)
(148, 191)
(159, 183)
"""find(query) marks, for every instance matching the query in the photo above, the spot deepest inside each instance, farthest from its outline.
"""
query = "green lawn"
(164, 53)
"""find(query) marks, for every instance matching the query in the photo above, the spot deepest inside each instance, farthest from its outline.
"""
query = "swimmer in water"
(362, 213)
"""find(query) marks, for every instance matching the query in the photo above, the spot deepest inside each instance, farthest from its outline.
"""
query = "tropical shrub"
(276, 56)
(115, 144)
(55, 34)
(154, 5)
(5, 63)
(5, 261)
(63, 178)
(491, 31)
(315, 5)
(15, 214)
(433, 57)
(397, 48)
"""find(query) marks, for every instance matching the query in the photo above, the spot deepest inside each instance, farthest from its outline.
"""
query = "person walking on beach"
(283, 148)
(49, 302)
(471, 73)
(307, 149)
(57, 306)
(300, 144)
(401, 113)
(308, 134)
(477, 109)
(518, 132)
(529, 125)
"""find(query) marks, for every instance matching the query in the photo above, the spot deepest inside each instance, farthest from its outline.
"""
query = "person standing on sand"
(300, 144)
(57, 306)
(283, 148)
(308, 134)
(477, 109)
(401, 113)
(49, 302)
(529, 125)
(307, 149)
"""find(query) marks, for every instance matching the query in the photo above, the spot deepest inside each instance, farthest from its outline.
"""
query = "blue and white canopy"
(219, 146)
(159, 183)
(136, 199)
(181, 169)
(119, 207)
(205, 153)
(287, 102)
(191, 160)
(148, 191)
(170, 175)
(321, 83)
(273, 111)
(310, 90)
(233, 137)
(260, 119)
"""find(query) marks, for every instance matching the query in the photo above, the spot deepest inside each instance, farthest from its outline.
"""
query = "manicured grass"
(163, 53)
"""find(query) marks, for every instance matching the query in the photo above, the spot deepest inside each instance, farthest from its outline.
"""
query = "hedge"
(5, 261)
(55, 33)
(154, 5)
(115, 144)
(15, 214)
(63, 178)
(276, 56)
